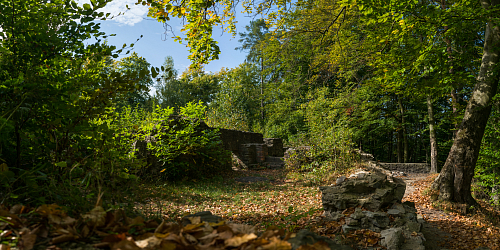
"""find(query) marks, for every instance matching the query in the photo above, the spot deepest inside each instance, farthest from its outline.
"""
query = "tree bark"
(432, 136)
(400, 146)
(262, 90)
(403, 131)
(454, 181)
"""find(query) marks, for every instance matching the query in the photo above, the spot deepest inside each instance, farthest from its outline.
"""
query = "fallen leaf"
(125, 245)
(96, 217)
(28, 239)
(239, 240)
(276, 244)
(63, 238)
(149, 243)
(242, 228)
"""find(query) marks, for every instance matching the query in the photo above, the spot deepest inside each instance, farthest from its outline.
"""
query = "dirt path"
(435, 238)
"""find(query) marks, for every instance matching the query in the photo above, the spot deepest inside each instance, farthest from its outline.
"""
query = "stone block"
(392, 238)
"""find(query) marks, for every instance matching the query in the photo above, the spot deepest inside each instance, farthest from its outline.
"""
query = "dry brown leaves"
(468, 231)
(114, 230)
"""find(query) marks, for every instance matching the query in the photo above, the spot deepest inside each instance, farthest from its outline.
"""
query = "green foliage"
(487, 170)
(185, 147)
(53, 83)
(137, 67)
(329, 132)
(256, 34)
(194, 85)
(236, 104)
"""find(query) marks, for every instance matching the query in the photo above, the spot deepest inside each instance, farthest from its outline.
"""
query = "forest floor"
(294, 205)
(268, 198)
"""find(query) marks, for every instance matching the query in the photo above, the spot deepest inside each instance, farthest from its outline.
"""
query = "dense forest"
(407, 81)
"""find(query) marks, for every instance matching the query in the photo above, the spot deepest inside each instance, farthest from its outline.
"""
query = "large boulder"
(372, 190)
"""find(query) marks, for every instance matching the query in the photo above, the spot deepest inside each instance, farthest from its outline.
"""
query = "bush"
(180, 146)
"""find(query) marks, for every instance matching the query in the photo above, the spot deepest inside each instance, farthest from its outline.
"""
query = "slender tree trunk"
(454, 109)
(454, 181)
(390, 146)
(453, 91)
(262, 90)
(403, 131)
(400, 145)
(432, 136)
(18, 144)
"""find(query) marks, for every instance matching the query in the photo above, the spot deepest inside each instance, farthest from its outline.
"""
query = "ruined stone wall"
(407, 167)
(232, 139)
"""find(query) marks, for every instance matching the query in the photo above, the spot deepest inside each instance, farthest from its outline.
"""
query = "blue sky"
(155, 45)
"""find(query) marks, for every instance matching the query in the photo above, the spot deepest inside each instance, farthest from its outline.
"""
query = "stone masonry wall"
(232, 139)
(275, 147)
(407, 167)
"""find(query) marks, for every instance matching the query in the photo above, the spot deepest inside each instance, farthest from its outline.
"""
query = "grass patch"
(280, 202)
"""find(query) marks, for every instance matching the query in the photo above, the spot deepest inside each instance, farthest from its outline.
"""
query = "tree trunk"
(262, 90)
(454, 181)
(432, 136)
(403, 131)
(399, 145)
(390, 146)
(454, 99)
(18, 144)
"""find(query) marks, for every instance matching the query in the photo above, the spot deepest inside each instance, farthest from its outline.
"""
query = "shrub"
(183, 145)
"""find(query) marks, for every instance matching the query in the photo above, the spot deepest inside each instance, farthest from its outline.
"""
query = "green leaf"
(61, 164)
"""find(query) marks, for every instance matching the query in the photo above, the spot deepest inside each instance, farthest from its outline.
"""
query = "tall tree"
(133, 65)
(454, 181)
(235, 104)
(253, 42)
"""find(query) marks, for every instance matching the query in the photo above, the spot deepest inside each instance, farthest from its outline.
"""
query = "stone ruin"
(371, 200)
(249, 149)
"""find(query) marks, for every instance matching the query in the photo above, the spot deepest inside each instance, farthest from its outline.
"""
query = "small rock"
(305, 237)
(413, 226)
(333, 215)
(399, 207)
(392, 238)
(399, 221)
(413, 243)
(347, 228)
(420, 218)
(409, 207)
(394, 212)
(366, 223)
(368, 214)
(358, 214)
(351, 222)
(380, 220)
(410, 217)
(340, 180)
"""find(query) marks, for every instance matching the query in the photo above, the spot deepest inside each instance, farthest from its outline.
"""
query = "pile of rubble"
(374, 200)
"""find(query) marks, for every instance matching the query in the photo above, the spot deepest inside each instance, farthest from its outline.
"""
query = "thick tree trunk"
(432, 136)
(454, 181)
